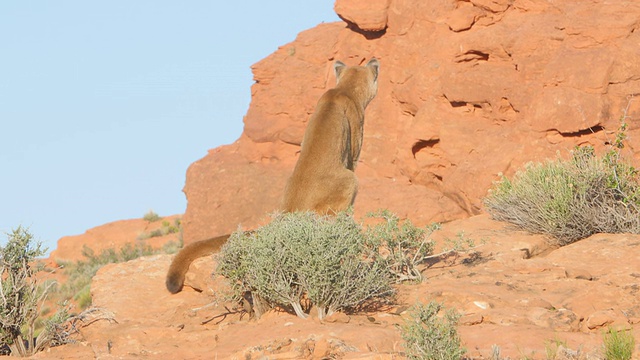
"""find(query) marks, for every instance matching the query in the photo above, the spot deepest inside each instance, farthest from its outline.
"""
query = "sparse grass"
(618, 344)
(166, 229)
(430, 336)
(552, 348)
(496, 352)
(172, 247)
(78, 285)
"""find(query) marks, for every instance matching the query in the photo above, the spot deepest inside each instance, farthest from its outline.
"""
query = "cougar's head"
(362, 79)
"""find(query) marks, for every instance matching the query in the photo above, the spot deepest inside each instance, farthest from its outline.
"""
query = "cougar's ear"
(374, 65)
(338, 67)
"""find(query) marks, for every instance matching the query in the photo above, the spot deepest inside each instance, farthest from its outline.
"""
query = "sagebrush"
(427, 334)
(166, 229)
(571, 199)
(302, 256)
(151, 216)
(22, 296)
(401, 245)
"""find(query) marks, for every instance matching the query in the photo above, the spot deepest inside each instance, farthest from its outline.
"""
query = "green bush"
(618, 345)
(151, 216)
(428, 336)
(21, 296)
(571, 199)
(167, 228)
(306, 256)
(58, 327)
(172, 247)
(402, 246)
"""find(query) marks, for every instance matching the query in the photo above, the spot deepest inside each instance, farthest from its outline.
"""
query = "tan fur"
(323, 179)
(182, 261)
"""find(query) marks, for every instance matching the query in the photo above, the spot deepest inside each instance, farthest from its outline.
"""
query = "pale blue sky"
(103, 105)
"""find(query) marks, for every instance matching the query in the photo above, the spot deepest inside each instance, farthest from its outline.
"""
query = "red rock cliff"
(467, 90)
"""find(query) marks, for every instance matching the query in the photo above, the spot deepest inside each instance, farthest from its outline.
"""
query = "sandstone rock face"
(366, 15)
(468, 90)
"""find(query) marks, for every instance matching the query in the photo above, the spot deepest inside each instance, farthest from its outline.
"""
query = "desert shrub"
(21, 296)
(428, 336)
(618, 345)
(151, 216)
(167, 228)
(305, 255)
(402, 245)
(133, 251)
(57, 326)
(172, 247)
(571, 199)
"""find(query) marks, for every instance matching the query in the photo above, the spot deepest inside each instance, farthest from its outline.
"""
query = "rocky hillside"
(516, 293)
(467, 90)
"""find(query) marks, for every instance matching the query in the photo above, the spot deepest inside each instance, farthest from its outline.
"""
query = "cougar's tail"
(182, 261)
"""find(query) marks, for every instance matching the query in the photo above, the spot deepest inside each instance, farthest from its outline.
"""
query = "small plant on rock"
(151, 216)
(402, 245)
(167, 228)
(429, 336)
(618, 344)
